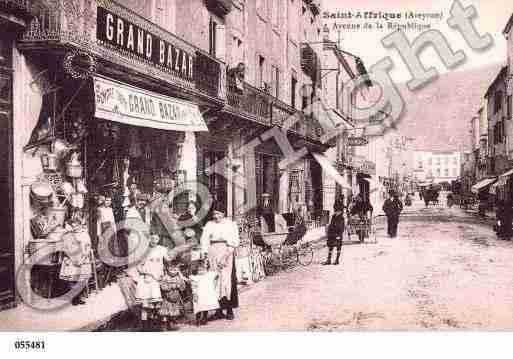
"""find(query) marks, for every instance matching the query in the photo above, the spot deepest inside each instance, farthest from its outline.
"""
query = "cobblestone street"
(445, 271)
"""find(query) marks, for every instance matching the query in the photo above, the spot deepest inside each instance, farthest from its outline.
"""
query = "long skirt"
(227, 283)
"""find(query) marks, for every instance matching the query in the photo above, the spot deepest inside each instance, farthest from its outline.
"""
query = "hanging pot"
(74, 171)
(67, 188)
(49, 162)
(77, 200)
(81, 187)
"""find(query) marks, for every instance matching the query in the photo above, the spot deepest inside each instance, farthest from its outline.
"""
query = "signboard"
(357, 141)
(123, 103)
(123, 35)
(360, 164)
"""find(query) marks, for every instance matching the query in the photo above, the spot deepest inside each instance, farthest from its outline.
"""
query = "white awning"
(507, 173)
(482, 184)
(119, 102)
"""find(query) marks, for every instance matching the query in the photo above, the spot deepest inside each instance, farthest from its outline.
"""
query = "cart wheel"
(305, 254)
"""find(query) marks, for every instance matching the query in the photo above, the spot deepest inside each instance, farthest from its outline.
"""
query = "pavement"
(369, 272)
(445, 271)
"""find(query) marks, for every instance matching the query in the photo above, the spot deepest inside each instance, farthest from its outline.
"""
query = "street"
(449, 275)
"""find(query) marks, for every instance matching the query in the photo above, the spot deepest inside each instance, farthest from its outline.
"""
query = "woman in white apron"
(219, 240)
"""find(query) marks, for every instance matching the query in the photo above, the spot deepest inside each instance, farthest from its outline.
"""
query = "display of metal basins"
(41, 192)
(38, 248)
(274, 239)
(74, 170)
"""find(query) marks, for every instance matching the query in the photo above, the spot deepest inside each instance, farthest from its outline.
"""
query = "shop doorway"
(215, 182)
(267, 178)
(7, 270)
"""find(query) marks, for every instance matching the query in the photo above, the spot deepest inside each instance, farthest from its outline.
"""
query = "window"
(260, 74)
(238, 51)
(508, 107)
(438, 160)
(446, 172)
(293, 89)
(455, 160)
(212, 37)
(420, 164)
(430, 161)
(446, 160)
(275, 85)
(497, 105)
(438, 172)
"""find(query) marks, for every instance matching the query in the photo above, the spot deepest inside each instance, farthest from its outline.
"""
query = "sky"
(492, 16)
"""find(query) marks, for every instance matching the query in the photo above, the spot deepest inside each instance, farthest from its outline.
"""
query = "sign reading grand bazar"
(115, 31)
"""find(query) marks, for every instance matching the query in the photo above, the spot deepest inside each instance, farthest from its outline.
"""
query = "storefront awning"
(482, 184)
(119, 102)
(506, 174)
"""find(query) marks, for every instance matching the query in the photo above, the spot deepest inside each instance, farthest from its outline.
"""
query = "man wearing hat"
(392, 208)
(335, 231)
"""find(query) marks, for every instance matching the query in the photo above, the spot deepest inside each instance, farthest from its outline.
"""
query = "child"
(205, 293)
(151, 270)
(170, 285)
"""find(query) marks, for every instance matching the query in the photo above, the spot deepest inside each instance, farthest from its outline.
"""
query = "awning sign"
(130, 105)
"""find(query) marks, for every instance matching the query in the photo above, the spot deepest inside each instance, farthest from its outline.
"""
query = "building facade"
(109, 99)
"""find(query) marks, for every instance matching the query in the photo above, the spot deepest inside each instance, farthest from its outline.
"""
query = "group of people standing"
(160, 287)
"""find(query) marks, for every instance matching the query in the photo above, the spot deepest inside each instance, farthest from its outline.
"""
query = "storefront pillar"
(283, 206)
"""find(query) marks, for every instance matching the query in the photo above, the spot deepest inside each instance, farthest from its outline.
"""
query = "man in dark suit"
(335, 231)
(392, 208)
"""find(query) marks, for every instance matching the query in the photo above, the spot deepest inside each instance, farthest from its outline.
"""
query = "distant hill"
(438, 115)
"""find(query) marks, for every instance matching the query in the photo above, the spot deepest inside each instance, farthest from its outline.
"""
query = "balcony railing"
(84, 24)
(19, 7)
(268, 110)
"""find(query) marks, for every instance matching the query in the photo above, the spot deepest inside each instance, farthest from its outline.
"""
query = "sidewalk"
(99, 308)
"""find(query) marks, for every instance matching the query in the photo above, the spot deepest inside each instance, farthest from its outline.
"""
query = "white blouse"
(225, 230)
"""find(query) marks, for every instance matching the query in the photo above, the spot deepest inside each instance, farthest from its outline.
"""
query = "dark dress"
(335, 230)
(392, 209)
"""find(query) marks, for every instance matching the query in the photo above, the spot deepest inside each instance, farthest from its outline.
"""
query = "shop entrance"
(7, 292)
(267, 178)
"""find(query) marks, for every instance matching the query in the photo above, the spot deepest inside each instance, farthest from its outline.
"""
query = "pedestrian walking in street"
(392, 208)
(503, 215)
(219, 240)
(335, 231)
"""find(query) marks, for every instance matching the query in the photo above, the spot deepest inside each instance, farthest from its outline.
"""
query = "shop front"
(13, 20)
(105, 133)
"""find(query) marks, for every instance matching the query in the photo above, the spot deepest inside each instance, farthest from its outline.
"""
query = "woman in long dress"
(219, 240)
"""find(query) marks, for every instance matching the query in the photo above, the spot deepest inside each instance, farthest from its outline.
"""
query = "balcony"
(20, 8)
(259, 106)
(115, 34)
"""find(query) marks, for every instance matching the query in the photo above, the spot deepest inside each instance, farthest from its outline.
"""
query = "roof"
(508, 25)
(502, 74)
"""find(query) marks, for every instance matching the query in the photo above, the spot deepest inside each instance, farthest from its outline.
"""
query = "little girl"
(171, 284)
(151, 270)
(205, 293)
